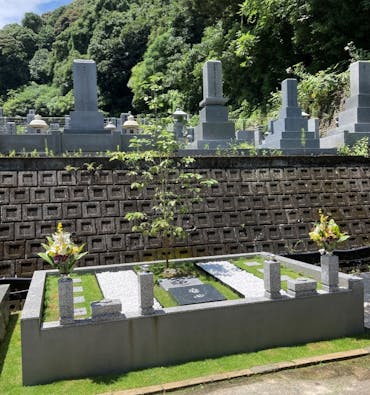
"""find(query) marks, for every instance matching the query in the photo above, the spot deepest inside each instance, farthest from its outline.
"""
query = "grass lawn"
(91, 292)
(255, 270)
(11, 376)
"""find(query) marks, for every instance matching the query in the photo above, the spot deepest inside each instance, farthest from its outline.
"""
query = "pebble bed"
(122, 285)
(243, 282)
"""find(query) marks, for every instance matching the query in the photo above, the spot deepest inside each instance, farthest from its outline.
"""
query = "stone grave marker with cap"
(214, 130)
(86, 118)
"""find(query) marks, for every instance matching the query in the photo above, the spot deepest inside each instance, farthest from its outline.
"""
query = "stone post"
(271, 270)
(329, 272)
(66, 309)
(146, 293)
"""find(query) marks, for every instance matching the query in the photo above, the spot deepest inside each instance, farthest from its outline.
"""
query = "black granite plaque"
(195, 294)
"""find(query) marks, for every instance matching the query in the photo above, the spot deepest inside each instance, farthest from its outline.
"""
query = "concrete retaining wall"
(260, 204)
(181, 334)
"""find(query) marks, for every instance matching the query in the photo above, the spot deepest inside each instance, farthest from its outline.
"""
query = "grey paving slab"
(179, 282)
(77, 289)
(251, 264)
(79, 299)
(80, 311)
(77, 280)
(195, 294)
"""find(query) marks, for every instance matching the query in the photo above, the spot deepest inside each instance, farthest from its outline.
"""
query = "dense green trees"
(138, 43)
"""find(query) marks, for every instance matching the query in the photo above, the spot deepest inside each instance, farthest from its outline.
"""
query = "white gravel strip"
(243, 282)
(123, 285)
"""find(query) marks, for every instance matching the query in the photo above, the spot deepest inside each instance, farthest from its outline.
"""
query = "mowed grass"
(255, 270)
(91, 292)
(11, 376)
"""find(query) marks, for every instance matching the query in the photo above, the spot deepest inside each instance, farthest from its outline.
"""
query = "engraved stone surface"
(179, 282)
(65, 289)
(106, 309)
(77, 289)
(272, 279)
(195, 294)
(76, 280)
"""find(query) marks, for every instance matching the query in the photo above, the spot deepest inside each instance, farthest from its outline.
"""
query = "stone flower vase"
(329, 272)
(66, 308)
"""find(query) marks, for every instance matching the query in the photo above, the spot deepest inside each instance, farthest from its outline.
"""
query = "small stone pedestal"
(146, 293)
(271, 270)
(66, 308)
(329, 272)
(301, 287)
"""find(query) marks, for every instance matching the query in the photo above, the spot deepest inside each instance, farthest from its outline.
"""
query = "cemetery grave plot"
(86, 290)
(194, 283)
(191, 285)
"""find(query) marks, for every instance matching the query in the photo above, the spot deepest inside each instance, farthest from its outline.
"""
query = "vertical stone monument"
(354, 121)
(86, 118)
(214, 130)
(272, 281)
(146, 292)
(290, 131)
(30, 117)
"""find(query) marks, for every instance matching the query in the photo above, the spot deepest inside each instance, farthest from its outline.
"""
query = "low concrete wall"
(180, 334)
(4, 309)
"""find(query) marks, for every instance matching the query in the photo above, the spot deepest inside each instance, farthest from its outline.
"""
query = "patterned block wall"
(259, 204)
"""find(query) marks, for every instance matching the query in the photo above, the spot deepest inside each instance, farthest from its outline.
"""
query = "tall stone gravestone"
(354, 121)
(214, 130)
(30, 117)
(290, 131)
(86, 118)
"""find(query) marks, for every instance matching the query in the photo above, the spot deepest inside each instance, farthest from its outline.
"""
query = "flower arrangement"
(61, 252)
(326, 234)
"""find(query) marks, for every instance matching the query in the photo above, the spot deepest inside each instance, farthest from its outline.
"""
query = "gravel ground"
(243, 282)
(122, 285)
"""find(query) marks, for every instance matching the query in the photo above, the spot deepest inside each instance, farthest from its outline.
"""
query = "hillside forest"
(152, 51)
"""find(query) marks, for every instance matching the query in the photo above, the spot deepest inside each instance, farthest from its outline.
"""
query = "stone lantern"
(178, 127)
(110, 126)
(131, 126)
(38, 124)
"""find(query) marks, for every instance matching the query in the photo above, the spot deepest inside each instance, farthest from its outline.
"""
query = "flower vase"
(329, 272)
(66, 308)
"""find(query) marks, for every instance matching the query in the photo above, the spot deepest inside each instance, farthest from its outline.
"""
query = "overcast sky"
(12, 11)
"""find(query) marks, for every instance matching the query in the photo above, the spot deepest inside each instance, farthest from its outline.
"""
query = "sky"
(12, 11)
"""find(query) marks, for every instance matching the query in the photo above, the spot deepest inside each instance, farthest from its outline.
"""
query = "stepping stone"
(261, 271)
(284, 277)
(252, 264)
(80, 311)
(76, 280)
(77, 289)
(79, 299)
(177, 282)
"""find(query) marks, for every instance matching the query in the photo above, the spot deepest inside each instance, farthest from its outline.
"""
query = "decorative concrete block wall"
(259, 204)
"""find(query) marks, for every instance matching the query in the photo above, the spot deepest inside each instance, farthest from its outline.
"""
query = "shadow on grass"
(13, 319)
(108, 379)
